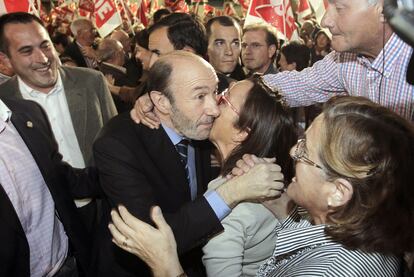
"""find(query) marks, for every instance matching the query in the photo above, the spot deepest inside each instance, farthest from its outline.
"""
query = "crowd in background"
(321, 200)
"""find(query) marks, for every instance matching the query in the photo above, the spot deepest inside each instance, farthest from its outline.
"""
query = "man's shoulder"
(71, 71)
(122, 127)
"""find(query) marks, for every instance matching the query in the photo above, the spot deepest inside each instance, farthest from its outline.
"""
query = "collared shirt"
(382, 80)
(23, 183)
(57, 109)
(120, 68)
(3, 78)
(219, 207)
(303, 249)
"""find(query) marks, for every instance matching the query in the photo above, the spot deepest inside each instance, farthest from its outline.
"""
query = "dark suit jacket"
(141, 168)
(73, 51)
(121, 79)
(63, 182)
(89, 101)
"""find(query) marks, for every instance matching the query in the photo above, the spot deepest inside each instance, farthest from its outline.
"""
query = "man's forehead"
(221, 31)
(256, 34)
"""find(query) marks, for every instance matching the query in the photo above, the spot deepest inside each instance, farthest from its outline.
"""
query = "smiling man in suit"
(76, 100)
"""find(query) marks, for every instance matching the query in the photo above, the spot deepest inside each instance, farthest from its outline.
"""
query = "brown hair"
(271, 128)
(373, 148)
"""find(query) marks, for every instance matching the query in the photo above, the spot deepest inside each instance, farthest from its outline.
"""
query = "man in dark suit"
(76, 100)
(112, 58)
(82, 49)
(39, 238)
(141, 167)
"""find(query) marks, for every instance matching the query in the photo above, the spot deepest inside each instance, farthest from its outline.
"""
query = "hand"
(263, 181)
(143, 112)
(110, 79)
(247, 162)
(155, 246)
(89, 52)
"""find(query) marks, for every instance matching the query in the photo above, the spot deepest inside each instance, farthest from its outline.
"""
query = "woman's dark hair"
(270, 126)
(184, 30)
(60, 38)
(373, 148)
(323, 33)
(297, 52)
(141, 38)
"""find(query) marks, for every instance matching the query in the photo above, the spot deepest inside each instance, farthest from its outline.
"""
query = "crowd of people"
(267, 157)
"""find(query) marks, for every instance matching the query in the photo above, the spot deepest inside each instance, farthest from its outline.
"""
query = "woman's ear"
(160, 101)
(341, 193)
(240, 136)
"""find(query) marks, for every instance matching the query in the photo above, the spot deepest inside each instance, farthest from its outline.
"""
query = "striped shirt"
(24, 185)
(382, 80)
(303, 249)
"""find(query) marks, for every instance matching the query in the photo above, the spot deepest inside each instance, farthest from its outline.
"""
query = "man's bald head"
(123, 38)
(161, 73)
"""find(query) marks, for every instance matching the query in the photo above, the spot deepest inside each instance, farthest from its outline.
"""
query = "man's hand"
(247, 162)
(155, 246)
(143, 112)
(89, 52)
(264, 180)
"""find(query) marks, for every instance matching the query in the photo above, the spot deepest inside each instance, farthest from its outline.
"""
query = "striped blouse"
(382, 80)
(303, 249)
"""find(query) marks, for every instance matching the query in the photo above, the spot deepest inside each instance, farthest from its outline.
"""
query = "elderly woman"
(354, 178)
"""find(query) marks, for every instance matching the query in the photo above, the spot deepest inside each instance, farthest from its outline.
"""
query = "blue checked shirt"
(382, 80)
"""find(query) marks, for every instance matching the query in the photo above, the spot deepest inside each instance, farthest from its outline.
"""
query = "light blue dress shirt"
(219, 207)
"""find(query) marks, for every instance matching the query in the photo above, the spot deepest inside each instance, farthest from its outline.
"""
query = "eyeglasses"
(223, 99)
(300, 154)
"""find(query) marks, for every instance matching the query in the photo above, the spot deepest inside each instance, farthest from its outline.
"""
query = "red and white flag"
(275, 12)
(107, 17)
(319, 6)
(304, 10)
(9, 6)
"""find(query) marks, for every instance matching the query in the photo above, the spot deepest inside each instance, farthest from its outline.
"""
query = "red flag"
(303, 10)
(177, 6)
(86, 5)
(276, 12)
(142, 13)
(9, 6)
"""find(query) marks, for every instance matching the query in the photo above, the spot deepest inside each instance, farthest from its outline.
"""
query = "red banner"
(276, 12)
(9, 6)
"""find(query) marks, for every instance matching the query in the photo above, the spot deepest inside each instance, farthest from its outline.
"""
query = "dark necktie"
(182, 148)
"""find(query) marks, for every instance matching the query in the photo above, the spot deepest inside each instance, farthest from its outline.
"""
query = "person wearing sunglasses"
(353, 181)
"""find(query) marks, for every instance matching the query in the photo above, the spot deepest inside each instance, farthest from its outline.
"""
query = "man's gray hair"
(78, 24)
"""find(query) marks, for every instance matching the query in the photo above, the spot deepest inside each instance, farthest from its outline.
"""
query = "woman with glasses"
(354, 173)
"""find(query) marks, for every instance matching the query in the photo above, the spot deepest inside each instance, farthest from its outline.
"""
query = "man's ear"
(341, 193)
(160, 101)
(271, 50)
(189, 49)
(5, 59)
(292, 66)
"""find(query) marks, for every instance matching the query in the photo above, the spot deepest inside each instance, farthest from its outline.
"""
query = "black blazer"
(141, 168)
(73, 51)
(63, 182)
